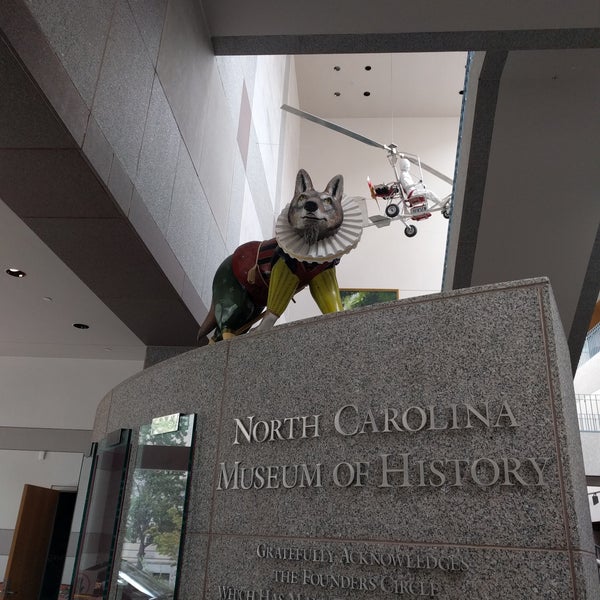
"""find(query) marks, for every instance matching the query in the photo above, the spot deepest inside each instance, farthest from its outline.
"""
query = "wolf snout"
(311, 206)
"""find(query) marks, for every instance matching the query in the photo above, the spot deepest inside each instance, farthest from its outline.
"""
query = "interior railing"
(588, 412)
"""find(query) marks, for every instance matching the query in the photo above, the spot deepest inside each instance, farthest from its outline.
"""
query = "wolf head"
(316, 215)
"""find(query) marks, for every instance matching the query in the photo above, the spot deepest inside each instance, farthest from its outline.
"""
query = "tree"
(167, 543)
(158, 495)
(156, 507)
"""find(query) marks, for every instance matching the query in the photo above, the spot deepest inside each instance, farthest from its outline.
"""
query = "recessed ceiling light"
(47, 299)
(337, 93)
(366, 93)
(81, 326)
(15, 272)
(337, 68)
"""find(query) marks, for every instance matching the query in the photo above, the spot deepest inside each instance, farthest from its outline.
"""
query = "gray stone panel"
(150, 16)
(190, 220)
(185, 67)
(124, 86)
(77, 30)
(567, 423)
(148, 230)
(158, 158)
(519, 529)
(26, 121)
(63, 185)
(193, 301)
(257, 180)
(587, 301)
(180, 383)
(33, 48)
(191, 584)
(120, 186)
(156, 354)
(97, 150)
(236, 204)
(492, 574)
(486, 89)
(586, 574)
(215, 163)
(452, 367)
(421, 41)
(217, 253)
(232, 72)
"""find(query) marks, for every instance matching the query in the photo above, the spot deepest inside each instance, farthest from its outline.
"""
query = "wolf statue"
(311, 234)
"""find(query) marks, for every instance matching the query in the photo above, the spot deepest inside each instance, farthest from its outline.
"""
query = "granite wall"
(422, 448)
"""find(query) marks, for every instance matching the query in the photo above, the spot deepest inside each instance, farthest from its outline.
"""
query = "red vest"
(253, 261)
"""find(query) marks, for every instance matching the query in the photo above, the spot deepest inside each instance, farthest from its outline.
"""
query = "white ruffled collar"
(328, 249)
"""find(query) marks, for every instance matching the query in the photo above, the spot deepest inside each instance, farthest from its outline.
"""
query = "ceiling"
(43, 306)
(420, 84)
(39, 310)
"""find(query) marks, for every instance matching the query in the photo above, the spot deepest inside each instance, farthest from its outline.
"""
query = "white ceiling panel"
(398, 85)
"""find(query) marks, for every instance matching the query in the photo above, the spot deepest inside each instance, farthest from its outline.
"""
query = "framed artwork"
(354, 298)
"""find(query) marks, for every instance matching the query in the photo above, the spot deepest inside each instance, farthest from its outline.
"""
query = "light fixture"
(81, 326)
(15, 272)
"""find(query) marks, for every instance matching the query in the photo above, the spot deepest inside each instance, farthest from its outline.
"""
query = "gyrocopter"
(406, 199)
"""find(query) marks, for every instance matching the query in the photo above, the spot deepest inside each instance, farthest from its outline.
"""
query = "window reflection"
(154, 520)
(101, 516)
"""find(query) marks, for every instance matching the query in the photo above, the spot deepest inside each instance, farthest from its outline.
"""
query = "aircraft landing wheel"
(410, 231)
(445, 213)
(392, 210)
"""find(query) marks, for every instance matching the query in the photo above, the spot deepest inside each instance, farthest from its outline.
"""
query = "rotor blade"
(361, 138)
(426, 167)
(333, 126)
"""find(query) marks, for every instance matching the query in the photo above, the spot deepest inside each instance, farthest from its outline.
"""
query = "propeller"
(391, 149)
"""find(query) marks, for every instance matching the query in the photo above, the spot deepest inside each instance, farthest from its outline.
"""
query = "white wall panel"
(57, 392)
(587, 377)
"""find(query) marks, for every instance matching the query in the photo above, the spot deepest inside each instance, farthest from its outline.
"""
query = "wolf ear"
(303, 182)
(335, 187)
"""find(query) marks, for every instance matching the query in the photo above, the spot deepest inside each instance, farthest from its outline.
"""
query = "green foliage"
(154, 494)
(156, 508)
(156, 504)
(355, 298)
(167, 542)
